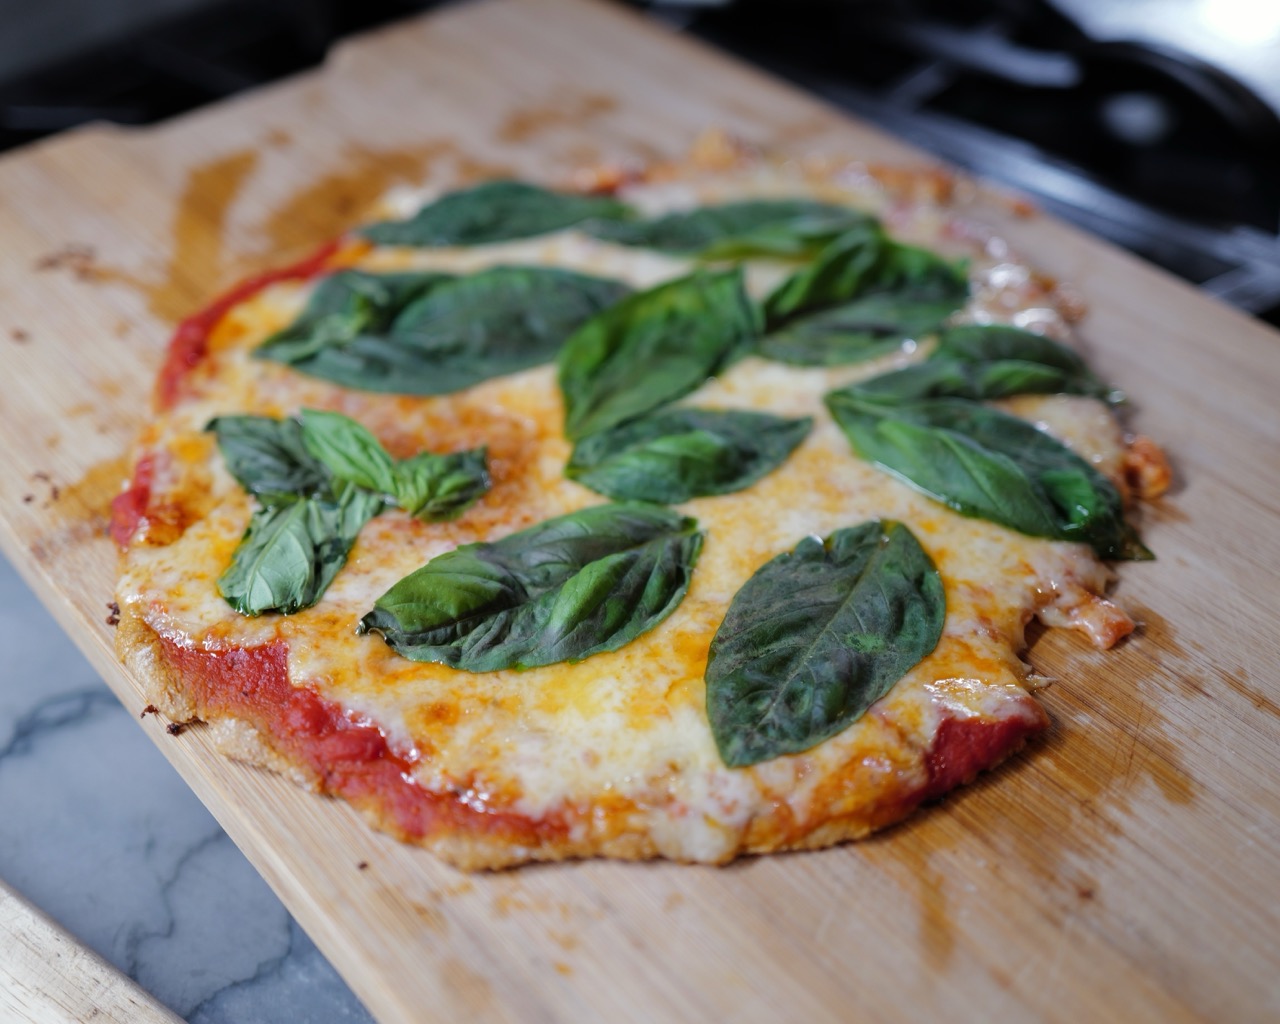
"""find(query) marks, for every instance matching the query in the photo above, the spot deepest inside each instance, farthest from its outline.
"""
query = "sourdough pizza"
(688, 513)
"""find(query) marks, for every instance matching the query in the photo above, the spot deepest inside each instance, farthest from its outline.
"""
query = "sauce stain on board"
(202, 261)
(564, 111)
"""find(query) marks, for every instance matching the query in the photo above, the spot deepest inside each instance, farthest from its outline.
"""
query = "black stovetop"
(1163, 154)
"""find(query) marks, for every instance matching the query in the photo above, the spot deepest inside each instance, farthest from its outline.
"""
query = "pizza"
(687, 512)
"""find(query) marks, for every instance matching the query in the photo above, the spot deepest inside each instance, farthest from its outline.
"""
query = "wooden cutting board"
(1123, 868)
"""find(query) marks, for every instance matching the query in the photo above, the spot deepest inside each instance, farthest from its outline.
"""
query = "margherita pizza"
(693, 513)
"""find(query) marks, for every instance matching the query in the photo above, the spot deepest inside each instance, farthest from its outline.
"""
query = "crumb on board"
(19, 335)
(175, 728)
(113, 618)
(150, 709)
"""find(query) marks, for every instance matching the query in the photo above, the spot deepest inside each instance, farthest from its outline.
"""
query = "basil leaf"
(494, 212)
(684, 453)
(856, 331)
(345, 306)
(563, 590)
(291, 552)
(757, 227)
(462, 331)
(989, 465)
(653, 348)
(862, 297)
(1014, 361)
(438, 487)
(267, 456)
(818, 635)
(349, 450)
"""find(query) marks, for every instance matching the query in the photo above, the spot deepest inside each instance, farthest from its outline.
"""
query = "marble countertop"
(101, 833)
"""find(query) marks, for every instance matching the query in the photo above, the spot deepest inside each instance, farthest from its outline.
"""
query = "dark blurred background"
(1155, 123)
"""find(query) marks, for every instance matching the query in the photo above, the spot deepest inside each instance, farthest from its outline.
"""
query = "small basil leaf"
(563, 590)
(343, 307)
(862, 297)
(653, 348)
(438, 487)
(989, 465)
(350, 451)
(267, 457)
(844, 269)
(291, 552)
(678, 454)
(818, 635)
(859, 330)
(757, 227)
(1005, 353)
(461, 331)
(494, 212)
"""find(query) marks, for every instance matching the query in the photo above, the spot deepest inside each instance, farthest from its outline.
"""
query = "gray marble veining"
(100, 832)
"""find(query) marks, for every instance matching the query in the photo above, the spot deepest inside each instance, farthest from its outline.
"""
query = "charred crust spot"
(175, 728)
(113, 616)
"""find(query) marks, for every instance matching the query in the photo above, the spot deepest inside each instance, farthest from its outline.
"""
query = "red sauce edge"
(129, 506)
(962, 747)
(190, 341)
(351, 759)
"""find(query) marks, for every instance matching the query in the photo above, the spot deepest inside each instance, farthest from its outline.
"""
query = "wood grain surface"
(47, 977)
(1124, 868)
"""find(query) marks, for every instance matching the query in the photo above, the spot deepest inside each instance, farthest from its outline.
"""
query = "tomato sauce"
(190, 341)
(348, 758)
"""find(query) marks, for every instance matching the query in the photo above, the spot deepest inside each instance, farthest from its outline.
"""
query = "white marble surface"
(100, 832)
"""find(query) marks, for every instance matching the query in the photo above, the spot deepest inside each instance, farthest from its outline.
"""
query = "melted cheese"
(620, 743)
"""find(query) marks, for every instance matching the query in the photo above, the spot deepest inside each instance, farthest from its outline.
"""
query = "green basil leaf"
(267, 457)
(862, 297)
(989, 465)
(756, 227)
(438, 487)
(859, 330)
(350, 451)
(843, 270)
(495, 211)
(678, 454)
(343, 307)
(461, 331)
(291, 552)
(818, 635)
(563, 590)
(653, 348)
(1014, 361)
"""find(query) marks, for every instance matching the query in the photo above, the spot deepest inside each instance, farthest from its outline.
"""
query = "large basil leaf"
(862, 297)
(653, 348)
(462, 331)
(291, 552)
(678, 454)
(818, 635)
(984, 463)
(563, 590)
(438, 487)
(267, 456)
(495, 211)
(755, 227)
(344, 307)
